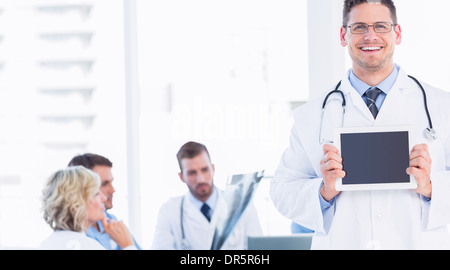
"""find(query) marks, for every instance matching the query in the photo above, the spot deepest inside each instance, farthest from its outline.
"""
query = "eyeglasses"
(362, 28)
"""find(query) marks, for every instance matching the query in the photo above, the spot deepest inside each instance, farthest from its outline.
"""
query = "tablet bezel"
(388, 186)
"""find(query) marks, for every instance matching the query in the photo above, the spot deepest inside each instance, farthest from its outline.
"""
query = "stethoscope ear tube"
(430, 133)
(336, 91)
(425, 102)
(181, 218)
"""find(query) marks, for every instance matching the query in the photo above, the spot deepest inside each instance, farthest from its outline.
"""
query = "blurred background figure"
(102, 166)
(189, 221)
(72, 202)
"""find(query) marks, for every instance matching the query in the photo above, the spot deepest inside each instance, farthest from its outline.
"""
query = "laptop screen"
(285, 242)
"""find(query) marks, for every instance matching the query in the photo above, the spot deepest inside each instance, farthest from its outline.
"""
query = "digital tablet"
(375, 158)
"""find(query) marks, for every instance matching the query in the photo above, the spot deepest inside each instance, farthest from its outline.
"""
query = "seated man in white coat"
(304, 185)
(188, 222)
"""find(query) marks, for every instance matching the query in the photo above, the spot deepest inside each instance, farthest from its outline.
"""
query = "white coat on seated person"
(198, 231)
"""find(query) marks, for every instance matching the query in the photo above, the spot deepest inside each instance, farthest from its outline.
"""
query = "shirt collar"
(211, 201)
(384, 86)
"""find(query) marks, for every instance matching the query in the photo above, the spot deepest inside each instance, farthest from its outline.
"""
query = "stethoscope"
(429, 132)
(184, 242)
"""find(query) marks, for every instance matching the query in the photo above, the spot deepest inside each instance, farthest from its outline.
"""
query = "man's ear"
(398, 34)
(342, 35)
(181, 177)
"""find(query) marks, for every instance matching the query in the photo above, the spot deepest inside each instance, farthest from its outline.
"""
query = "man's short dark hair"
(191, 150)
(349, 4)
(90, 160)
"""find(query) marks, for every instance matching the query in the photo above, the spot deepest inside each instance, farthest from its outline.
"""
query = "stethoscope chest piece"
(430, 133)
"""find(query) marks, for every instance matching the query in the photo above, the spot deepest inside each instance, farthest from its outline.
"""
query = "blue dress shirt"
(103, 238)
(299, 229)
(211, 201)
(385, 86)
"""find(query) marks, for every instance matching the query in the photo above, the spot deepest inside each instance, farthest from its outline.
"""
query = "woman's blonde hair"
(65, 196)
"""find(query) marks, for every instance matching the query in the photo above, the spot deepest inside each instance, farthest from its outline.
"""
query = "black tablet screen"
(375, 158)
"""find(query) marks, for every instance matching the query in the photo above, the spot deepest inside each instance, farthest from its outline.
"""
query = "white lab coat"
(70, 240)
(393, 219)
(198, 231)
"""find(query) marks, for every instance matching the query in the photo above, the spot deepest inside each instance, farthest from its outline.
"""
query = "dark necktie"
(372, 95)
(206, 210)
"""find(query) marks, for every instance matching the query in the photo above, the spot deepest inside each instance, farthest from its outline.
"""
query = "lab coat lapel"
(394, 106)
(199, 232)
(194, 215)
(355, 99)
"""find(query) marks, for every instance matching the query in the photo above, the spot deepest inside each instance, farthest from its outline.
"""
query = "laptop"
(284, 242)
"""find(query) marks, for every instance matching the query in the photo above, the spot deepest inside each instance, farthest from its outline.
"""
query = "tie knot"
(373, 93)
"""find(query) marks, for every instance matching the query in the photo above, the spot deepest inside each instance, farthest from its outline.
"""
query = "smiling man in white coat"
(303, 188)
(188, 222)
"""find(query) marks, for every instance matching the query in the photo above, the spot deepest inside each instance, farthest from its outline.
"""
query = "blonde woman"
(72, 202)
